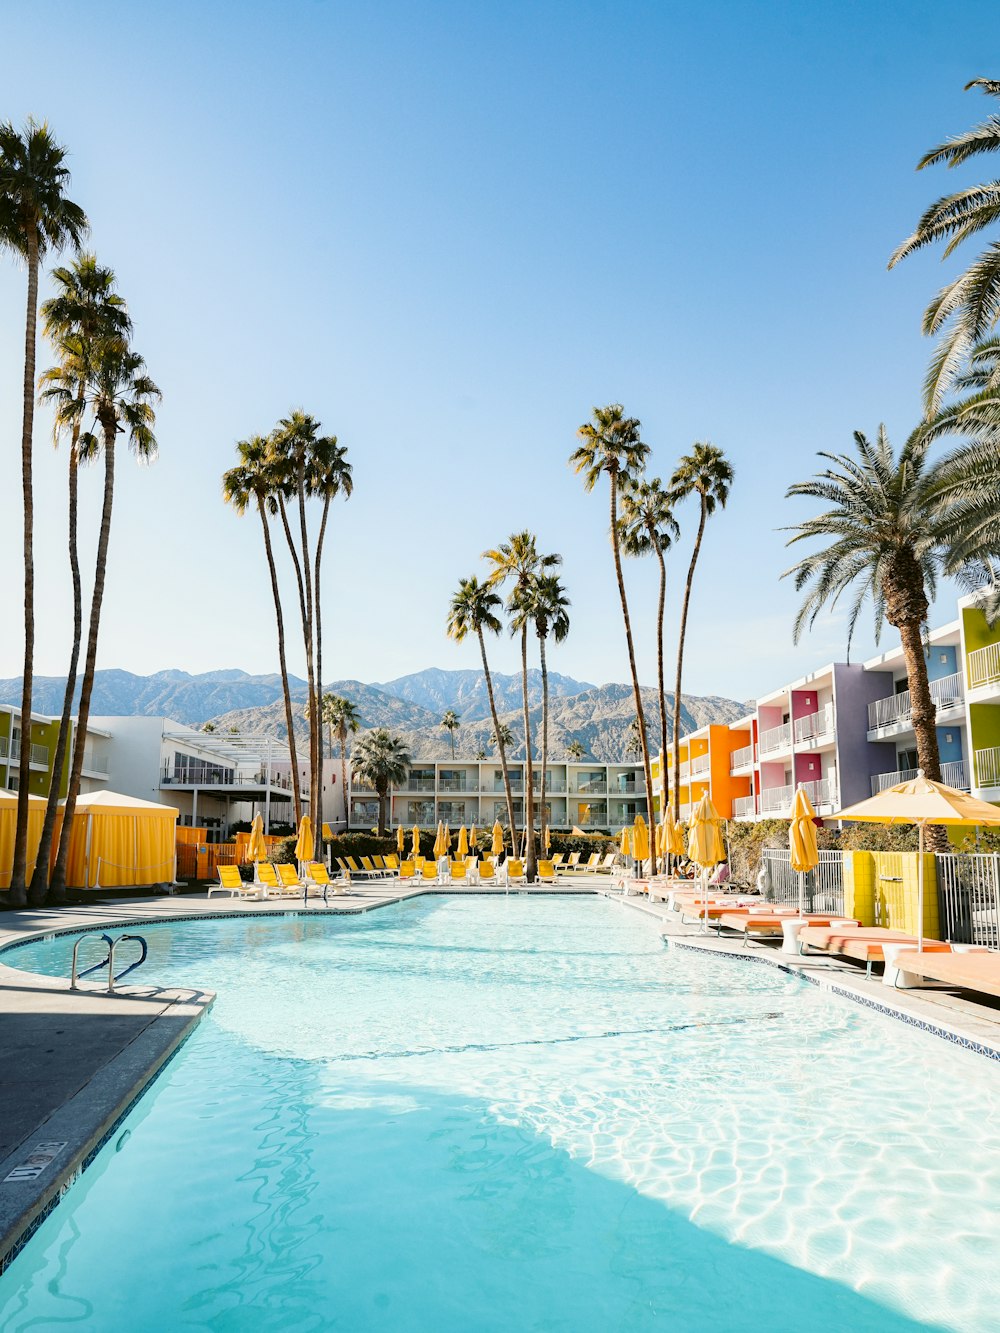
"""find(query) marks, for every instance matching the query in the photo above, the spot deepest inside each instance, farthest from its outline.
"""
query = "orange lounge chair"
(975, 971)
(764, 924)
(862, 943)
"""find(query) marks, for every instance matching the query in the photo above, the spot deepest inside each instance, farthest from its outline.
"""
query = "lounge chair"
(361, 871)
(231, 882)
(607, 866)
(557, 860)
(763, 923)
(267, 879)
(428, 872)
(573, 863)
(379, 863)
(862, 943)
(458, 872)
(407, 870)
(972, 968)
(546, 872)
(515, 872)
(289, 884)
(317, 876)
(487, 871)
(391, 862)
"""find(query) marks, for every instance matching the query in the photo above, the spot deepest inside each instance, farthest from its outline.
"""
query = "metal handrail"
(108, 962)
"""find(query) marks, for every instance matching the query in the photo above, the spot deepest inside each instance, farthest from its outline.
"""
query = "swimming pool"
(522, 1113)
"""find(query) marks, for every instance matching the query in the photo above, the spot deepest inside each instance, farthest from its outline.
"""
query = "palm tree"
(473, 610)
(451, 723)
(480, 752)
(341, 716)
(85, 310)
(576, 749)
(121, 395)
(381, 760)
(893, 524)
(634, 743)
(648, 527)
(966, 309)
(35, 218)
(252, 481)
(519, 560)
(545, 604)
(611, 447)
(707, 473)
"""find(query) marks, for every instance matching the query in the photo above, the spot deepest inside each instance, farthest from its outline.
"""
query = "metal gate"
(824, 886)
(969, 898)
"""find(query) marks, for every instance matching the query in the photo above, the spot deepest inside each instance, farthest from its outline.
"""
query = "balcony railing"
(39, 753)
(417, 784)
(777, 801)
(823, 792)
(744, 806)
(984, 666)
(953, 774)
(208, 775)
(595, 788)
(457, 784)
(988, 767)
(95, 763)
(741, 758)
(700, 764)
(897, 708)
(814, 725)
(777, 738)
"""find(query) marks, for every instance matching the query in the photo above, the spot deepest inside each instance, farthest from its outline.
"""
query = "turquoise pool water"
(522, 1113)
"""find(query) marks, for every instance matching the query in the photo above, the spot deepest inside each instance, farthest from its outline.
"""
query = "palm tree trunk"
(496, 732)
(451, 733)
(924, 714)
(640, 715)
(659, 658)
(280, 620)
(93, 631)
(40, 879)
(319, 678)
(529, 794)
(680, 659)
(308, 630)
(17, 896)
(300, 583)
(343, 775)
(545, 736)
(382, 795)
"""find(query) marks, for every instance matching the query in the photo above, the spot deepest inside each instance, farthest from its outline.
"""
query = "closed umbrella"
(705, 845)
(626, 842)
(439, 843)
(921, 801)
(304, 846)
(473, 839)
(447, 841)
(400, 840)
(673, 835)
(257, 848)
(802, 841)
(497, 845)
(640, 842)
(548, 838)
(463, 843)
(415, 848)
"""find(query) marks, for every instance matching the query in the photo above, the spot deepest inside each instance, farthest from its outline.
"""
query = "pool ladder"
(109, 962)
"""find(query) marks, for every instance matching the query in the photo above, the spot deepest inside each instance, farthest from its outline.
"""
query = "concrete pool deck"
(76, 1061)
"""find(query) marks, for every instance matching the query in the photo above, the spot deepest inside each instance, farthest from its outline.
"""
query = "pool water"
(522, 1113)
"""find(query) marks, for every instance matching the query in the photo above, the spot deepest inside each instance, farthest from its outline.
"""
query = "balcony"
(984, 666)
(595, 788)
(777, 738)
(821, 793)
(897, 709)
(39, 754)
(700, 764)
(777, 801)
(415, 784)
(744, 807)
(742, 758)
(953, 774)
(814, 727)
(454, 784)
(988, 767)
(93, 763)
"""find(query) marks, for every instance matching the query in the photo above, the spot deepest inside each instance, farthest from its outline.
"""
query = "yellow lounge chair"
(231, 881)
(573, 863)
(546, 872)
(487, 871)
(362, 871)
(407, 870)
(267, 878)
(289, 884)
(557, 860)
(391, 862)
(515, 872)
(429, 872)
(458, 872)
(317, 876)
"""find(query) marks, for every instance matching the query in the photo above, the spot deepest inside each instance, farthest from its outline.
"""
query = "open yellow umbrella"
(473, 839)
(921, 801)
(705, 845)
(415, 848)
(497, 844)
(304, 846)
(802, 841)
(640, 841)
(463, 843)
(257, 849)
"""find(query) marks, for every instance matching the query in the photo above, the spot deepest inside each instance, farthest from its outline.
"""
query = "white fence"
(969, 898)
(824, 886)
(984, 666)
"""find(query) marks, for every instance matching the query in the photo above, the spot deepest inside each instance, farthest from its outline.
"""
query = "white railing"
(988, 767)
(743, 807)
(741, 758)
(814, 725)
(953, 774)
(39, 753)
(968, 889)
(823, 792)
(984, 666)
(897, 708)
(700, 763)
(4, 746)
(822, 888)
(776, 800)
(95, 763)
(778, 738)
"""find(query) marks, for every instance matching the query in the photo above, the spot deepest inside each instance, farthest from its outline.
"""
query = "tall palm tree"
(35, 218)
(341, 716)
(576, 749)
(648, 527)
(85, 310)
(121, 396)
(612, 447)
(544, 604)
(381, 760)
(964, 311)
(451, 723)
(252, 482)
(708, 474)
(518, 560)
(473, 610)
(893, 523)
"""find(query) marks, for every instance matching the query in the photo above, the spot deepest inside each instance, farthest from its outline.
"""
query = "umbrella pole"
(802, 893)
(920, 887)
(704, 900)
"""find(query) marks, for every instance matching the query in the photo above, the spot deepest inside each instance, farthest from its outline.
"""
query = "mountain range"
(599, 716)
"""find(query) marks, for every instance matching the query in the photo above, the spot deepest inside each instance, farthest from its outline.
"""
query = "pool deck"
(75, 1062)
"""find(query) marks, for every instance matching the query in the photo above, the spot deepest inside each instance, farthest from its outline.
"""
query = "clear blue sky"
(448, 230)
